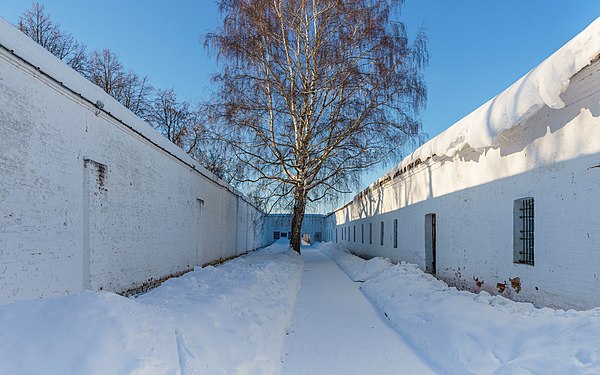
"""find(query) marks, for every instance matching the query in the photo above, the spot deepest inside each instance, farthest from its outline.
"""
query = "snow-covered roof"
(541, 87)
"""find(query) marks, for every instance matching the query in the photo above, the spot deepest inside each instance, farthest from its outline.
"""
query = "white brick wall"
(89, 202)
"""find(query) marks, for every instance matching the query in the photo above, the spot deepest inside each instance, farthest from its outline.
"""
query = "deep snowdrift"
(229, 319)
(467, 333)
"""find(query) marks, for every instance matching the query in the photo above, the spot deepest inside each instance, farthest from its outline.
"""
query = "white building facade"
(279, 226)
(507, 200)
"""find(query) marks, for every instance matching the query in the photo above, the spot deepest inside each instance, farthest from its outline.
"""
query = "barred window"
(395, 233)
(523, 228)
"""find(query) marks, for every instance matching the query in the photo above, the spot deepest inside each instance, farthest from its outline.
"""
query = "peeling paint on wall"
(501, 287)
(516, 284)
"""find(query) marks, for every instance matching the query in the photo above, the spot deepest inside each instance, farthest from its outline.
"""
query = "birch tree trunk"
(313, 92)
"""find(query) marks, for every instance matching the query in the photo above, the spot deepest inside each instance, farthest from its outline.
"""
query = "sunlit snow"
(273, 311)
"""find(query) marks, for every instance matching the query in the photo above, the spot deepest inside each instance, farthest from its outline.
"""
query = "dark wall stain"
(100, 173)
(478, 282)
(101, 179)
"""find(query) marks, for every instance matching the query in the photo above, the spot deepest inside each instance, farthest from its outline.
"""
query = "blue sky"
(477, 47)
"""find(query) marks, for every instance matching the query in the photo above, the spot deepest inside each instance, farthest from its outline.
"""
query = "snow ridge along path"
(467, 333)
(229, 319)
(335, 330)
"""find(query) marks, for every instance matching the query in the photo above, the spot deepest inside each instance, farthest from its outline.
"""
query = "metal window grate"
(526, 231)
(395, 233)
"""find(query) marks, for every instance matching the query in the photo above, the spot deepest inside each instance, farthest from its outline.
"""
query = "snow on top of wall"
(24, 47)
(541, 87)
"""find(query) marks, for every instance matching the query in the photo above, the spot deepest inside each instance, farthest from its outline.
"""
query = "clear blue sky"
(477, 47)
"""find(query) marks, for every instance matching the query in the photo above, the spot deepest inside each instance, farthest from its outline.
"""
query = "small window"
(336, 235)
(284, 235)
(354, 234)
(381, 234)
(370, 233)
(362, 233)
(275, 235)
(523, 228)
(395, 233)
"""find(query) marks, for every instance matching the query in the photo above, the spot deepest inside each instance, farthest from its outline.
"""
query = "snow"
(466, 333)
(336, 331)
(273, 311)
(541, 87)
(229, 319)
(356, 268)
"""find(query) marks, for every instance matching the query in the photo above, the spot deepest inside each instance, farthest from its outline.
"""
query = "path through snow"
(233, 319)
(472, 334)
(336, 331)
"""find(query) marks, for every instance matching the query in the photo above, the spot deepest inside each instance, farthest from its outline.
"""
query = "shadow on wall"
(474, 236)
(541, 155)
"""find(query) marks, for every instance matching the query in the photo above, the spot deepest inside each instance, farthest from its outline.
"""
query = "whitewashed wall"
(98, 200)
(553, 157)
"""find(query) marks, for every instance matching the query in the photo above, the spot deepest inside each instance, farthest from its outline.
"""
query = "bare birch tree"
(38, 25)
(315, 91)
(106, 71)
(177, 121)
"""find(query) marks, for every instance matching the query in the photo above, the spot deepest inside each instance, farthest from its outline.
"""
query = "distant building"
(279, 226)
(506, 200)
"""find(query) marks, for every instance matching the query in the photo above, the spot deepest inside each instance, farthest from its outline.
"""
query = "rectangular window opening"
(523, 228)
(370, 233)
(395, 233)
(381, 233)
(362, 233)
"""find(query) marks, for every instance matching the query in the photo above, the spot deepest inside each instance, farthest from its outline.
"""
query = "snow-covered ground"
(229, 319)
(244, 316)
(466, 333)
